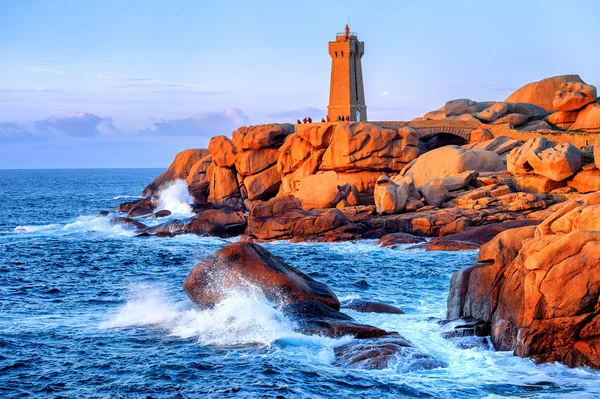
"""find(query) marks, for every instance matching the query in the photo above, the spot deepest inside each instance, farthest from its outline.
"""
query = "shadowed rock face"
(539, 289)
(241, 263)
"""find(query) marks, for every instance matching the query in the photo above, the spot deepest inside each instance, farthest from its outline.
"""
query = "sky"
(112, 83)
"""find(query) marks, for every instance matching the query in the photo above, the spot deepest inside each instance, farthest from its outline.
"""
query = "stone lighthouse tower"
(346, 92)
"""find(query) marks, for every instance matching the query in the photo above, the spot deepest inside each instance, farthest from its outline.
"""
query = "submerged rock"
(316, 318)
(128, 222)
(363, 306)
(381, 353)
(395, 239)
(242, 263)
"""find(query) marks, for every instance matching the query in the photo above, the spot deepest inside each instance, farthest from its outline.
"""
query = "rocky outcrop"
(556, 163)
(542, 93)
(588, 118)
(539, 287)
(585, 181)
(363, 146)
(282, 218)
(321, 191)
(241, 263)
(563, 119)
(476, 236)
(573, 96)
(390, 197)
(516, 160)
(179, 169)
(451, 160)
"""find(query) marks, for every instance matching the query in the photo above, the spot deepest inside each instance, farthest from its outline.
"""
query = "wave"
(176, 198)
(119, 197)
(82, 224)
(34, 229)
(243, 317)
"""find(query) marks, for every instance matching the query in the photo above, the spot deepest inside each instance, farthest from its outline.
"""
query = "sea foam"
(176, 198)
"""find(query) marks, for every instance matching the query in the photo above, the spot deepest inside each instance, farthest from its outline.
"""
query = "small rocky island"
(518, 179)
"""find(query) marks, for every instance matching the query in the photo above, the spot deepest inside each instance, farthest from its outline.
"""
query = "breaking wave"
(176, 198)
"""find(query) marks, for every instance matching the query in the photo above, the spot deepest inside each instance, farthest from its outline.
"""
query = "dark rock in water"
(371, 307)
(241, 263)
(162, 214)
(142, 207)
(127, 222)
(316, 318)
(172, 227)
(469, 327)
(102, 214)
(474, 237)
(380, 353)
(164, 234)
(394, 239)
(217, 222)
(362, 284)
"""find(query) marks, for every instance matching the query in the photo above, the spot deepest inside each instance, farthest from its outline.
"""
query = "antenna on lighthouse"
(347, 31)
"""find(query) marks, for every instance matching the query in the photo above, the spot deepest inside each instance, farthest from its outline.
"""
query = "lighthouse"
(346, 90)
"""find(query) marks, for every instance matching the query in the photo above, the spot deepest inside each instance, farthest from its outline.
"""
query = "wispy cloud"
(103, 77)
(206, 124)
(14, 133)
(148, 83)
(56, 71)
(81, 124)
(385, 94)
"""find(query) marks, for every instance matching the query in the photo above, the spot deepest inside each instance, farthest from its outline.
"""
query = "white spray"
(176, 198)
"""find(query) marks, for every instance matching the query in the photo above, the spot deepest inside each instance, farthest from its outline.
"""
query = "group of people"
(308, 119)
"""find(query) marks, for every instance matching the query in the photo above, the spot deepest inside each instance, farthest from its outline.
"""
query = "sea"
(88, 310)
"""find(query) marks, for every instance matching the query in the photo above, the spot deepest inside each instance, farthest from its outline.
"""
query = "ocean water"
(87, 310)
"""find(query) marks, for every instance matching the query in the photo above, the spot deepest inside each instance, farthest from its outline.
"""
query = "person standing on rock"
(304, 119)
(298, 122)
(327, 118)
(348, 118)
(309, 119)
(322, 120)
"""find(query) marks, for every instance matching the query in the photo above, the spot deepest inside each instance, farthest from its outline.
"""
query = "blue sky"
(131, 83)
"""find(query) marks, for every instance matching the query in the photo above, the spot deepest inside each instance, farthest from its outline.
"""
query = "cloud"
(77, 125)
(13, 133)
(45, 70)
(103, 77)
(207, 124)
(300, 113)
(385, 94)
(148, 83)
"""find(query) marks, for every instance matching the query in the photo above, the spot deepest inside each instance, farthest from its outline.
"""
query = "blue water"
(90, 311)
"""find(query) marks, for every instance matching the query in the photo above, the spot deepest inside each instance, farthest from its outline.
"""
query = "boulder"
(516, 160)
(142, 207)
(585, 181)
(179, 169)
(222, 151)
(255, 161)
(452, 160)
(531, 111)
(241, 263)
(574, 95)
(390, 197)
(480, 135)
(500, 145)
(308, 167)
(319, 135)
(197, 180)
(218, 223)
(459, 181)
(588, 118)
(492, 112)
(321, 191)
(224, 189)
(459, 107)
(282, 218)
(363, 146)
(434, 192)
(563, 119)
(542, 93)
(512, 119)
(264, 184)
(535, 126)
(435, 115)
(531, 183)
(556, 163)
(261, 136)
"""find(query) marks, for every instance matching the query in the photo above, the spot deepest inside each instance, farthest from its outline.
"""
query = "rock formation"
(539, 287)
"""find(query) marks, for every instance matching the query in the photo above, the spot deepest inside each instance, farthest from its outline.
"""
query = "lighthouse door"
(358, 116)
